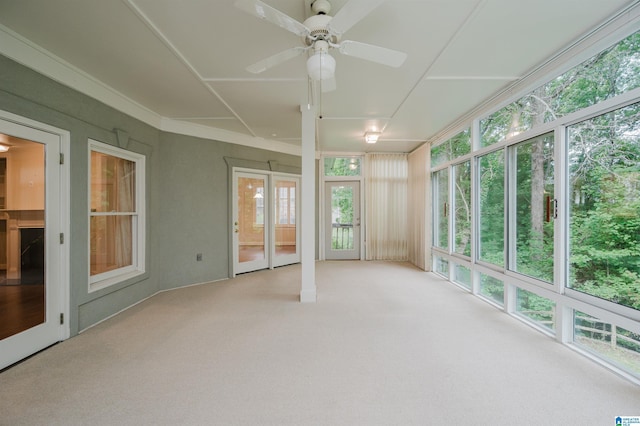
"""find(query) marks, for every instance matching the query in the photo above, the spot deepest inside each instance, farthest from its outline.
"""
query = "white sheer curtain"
(126, 203)
(386, 206)
(418, 208)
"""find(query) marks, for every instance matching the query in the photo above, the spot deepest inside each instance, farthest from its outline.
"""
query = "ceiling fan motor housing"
(318, 30)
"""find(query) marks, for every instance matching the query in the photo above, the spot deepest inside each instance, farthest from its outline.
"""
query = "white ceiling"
(185, 61)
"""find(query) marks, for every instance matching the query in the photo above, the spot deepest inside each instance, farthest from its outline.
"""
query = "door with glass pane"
(342, 220)
(250, 214)
(286, 235)
(31, 296)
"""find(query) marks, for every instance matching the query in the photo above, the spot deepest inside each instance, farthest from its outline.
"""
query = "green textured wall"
(187, 191)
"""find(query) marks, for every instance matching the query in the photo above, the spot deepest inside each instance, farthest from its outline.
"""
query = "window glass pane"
(492, 288)
(462, 206)
(440, 154)
(534, 208)
(441, 206)
(258, 200)
(112, 183)
(292, 205)
(619, 346)
(441, 266)
(342, 217)
(608, 74)
(461, 144)
(491, 208)
(462, 276)
(604, 158)
(342, 166)
(536, 308)
(111, 243)
(285, 229)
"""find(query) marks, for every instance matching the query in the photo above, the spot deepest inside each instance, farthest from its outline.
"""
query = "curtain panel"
(419, 237)
(386, 179)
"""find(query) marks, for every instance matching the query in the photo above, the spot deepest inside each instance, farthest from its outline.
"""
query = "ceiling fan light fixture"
(371, 137)
(321, 66)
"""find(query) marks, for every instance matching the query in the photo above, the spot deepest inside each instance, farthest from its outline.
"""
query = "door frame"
(254, 265)
(271, 176)
(294, 257)
(325, 220)
(57, 325)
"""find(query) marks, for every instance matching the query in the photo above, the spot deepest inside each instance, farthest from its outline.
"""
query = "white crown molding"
(29, 54)
(206, 132)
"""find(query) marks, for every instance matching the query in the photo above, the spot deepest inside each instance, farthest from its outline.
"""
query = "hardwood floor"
(249, 253)
(21, 307)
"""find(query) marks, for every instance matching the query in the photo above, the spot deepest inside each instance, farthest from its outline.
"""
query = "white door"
(32, 296)
(286, 232)
(250, 214)
(342, 220)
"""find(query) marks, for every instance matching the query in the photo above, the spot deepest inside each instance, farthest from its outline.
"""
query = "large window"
(462, 208)
(441, 209)
(541, 215)
(604, 165)
(491, 206)
(115, 215)
(533, 208)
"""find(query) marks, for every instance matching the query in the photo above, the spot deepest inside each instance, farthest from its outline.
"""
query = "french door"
(286, 232)
(32, 295)
(342, 220)
(265, 216)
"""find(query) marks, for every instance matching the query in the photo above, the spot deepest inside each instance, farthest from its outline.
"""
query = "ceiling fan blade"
(328, 85)
(369, 52)
(276, 59)
(264, 11)
(350, 14)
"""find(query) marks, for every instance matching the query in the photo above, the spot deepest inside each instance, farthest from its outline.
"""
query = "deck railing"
(342, 236)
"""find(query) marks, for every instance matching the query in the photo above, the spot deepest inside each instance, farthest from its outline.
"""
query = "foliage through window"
(534, 207)
(453, 148)
(342, 166)
(462, 208)
(605, 75)
(604, 166)
(491, 208)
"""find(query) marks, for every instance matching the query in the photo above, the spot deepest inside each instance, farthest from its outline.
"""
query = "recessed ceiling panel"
(508, 38)
(108, 41)
(268, 109)
(435, 104)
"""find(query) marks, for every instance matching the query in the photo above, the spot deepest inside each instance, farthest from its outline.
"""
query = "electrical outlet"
(198, 257)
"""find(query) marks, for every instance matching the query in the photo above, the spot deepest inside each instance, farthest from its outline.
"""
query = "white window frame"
(137, 267)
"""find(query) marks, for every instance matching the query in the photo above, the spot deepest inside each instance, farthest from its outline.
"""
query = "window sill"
(108, 282)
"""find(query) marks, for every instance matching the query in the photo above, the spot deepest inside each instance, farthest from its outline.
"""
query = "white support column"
(308, 231)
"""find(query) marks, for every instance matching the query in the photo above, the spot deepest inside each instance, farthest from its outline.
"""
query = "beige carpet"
(386, 344)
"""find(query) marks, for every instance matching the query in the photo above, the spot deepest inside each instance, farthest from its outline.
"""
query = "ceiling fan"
(320, 33)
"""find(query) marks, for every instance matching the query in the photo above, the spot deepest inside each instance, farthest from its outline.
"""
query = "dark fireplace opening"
(32, 255)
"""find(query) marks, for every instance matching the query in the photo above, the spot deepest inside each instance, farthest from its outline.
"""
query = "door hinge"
(61, 318)
(61, 238)
(61, 158)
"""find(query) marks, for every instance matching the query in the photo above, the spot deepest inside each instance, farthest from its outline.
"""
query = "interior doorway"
(265, 220)
(33, 296)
